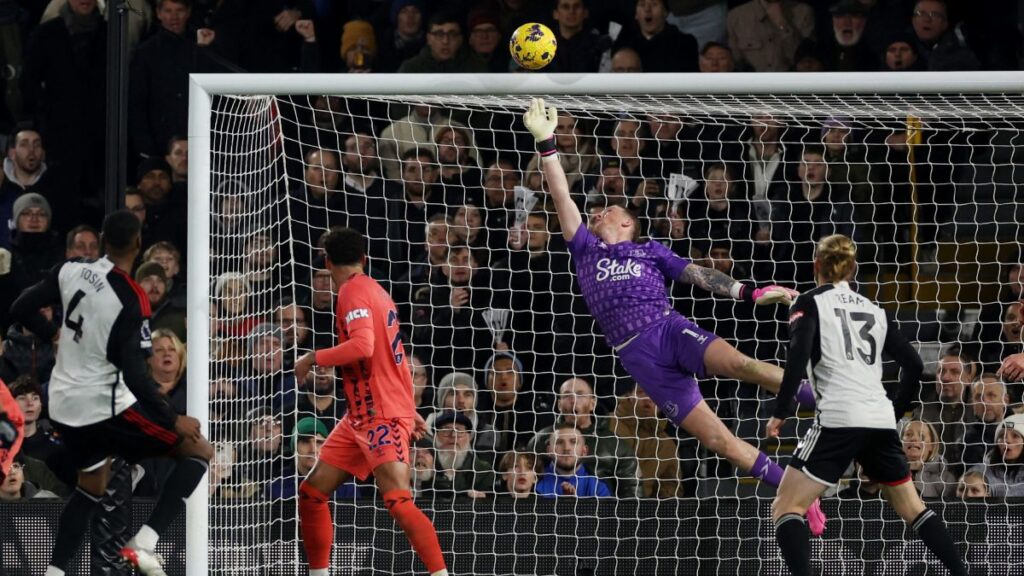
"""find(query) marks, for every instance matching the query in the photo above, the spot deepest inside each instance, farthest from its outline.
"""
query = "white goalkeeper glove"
(539, 121)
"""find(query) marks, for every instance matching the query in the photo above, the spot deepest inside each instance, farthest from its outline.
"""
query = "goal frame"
(203, 87)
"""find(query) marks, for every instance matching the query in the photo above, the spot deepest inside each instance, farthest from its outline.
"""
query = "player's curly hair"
(344, 246)
(837, 257)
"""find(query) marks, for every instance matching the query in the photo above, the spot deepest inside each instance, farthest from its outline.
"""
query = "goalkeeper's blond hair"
(836, 256)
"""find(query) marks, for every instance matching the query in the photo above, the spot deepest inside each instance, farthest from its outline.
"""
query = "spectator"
(440, 236)
(166, 215)
(64, 92)
(627, 143)
(40, 442)
(404, 38)
(661, 47)
(991, 403)
(808, 58)
(716, 57)
(444, 52)
(307, 440)
(764, 171)
(720, 214)
(167, 367)
(579, 45)
(459, 471)
(499, 182)
(848, 171)
(460, 174)
(847, 50)
(35, 247)
(1004, 469)
(422, 390)
(636, 420)
(516, 411)
(626, 60)
(358, 46)
(261, 269)
(1010, 339)
(576, 154)
(809, 212)
(319, 396)
(83, 241)
(25, 170)
(311, 206)
(457, 391)
(468, 226)
(924, 454)
(270, 36)
(14, 486)
(938, 46)
(222, 472)
(972, 485)
(231, 293)
(409, 212)
(901, 54)
(165, 254)
(365, 199)
(26, 353)
(609, 456)
(610, 188)
(159, 79)
(519, 473)
(421, 453)
(861, 488)
(133, 203)
(261, 458)
(764, 34)
(990, 321)
(267, 378)
(566, 474)
(485, 40)
(294, 322)
(176, 157)
(166, 315)
(322, 300)
(1012, 368)
(947, 405)
(448, 314)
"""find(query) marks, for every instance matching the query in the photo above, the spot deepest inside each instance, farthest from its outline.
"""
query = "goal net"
(742, 173)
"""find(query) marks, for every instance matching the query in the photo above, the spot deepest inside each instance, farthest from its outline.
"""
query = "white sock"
(318, 572)
(52, 571)
(146, 538)
(440, 573)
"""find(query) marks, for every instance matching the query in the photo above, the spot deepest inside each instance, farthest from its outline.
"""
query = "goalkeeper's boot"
(816, 519)
(146, 562)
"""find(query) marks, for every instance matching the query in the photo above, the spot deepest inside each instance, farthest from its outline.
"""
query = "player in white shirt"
(837, 337)
(101, 397)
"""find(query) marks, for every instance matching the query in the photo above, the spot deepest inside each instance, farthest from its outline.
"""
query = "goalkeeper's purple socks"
(805, 394)
(766, 470)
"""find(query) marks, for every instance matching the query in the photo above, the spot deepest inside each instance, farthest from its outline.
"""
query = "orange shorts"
(358, 448)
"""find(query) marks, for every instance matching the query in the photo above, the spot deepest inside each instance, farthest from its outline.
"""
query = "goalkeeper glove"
(541, 123)
(772, 294)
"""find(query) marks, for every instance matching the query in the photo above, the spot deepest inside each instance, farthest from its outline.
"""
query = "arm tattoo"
(707, 278)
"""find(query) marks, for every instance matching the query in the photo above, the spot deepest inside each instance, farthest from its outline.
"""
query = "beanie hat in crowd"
(265, 329)
(150, 164)
(308, 426)
(900, 36)
(449, 416)
(31, 200)
(502, 354)
(355, 31)
(151, 268)
(448, 383)
(1014, 422)
(482, 15)
(397, 6)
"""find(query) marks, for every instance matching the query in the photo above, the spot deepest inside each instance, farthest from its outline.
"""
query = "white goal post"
(980, 97)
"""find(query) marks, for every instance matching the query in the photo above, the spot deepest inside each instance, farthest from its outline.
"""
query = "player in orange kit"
(374, 435)
(12, 430)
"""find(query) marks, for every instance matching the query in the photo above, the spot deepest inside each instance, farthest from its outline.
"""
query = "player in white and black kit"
(101, 397)
(837, 337)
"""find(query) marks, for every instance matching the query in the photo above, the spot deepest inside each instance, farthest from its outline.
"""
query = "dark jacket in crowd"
(667, 51)
(424, 63)
(610, 457)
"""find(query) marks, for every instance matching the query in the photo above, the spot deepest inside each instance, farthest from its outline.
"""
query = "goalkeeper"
(623, 284)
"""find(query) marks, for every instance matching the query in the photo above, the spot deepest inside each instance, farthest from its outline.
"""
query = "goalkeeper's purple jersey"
(624, 284)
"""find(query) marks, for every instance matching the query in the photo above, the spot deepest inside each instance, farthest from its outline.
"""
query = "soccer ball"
(533, 46)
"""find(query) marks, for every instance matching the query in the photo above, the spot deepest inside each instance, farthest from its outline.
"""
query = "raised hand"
(539, 121)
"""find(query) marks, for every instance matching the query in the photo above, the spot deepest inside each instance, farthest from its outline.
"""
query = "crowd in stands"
(521, 395)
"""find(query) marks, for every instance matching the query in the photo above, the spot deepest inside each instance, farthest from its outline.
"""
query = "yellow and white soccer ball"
(533, 46)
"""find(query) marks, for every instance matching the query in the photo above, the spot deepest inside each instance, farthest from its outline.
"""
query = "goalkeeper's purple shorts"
(666, 359)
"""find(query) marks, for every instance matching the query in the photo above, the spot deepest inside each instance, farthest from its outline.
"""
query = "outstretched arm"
(541, 123)
(722, 284)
